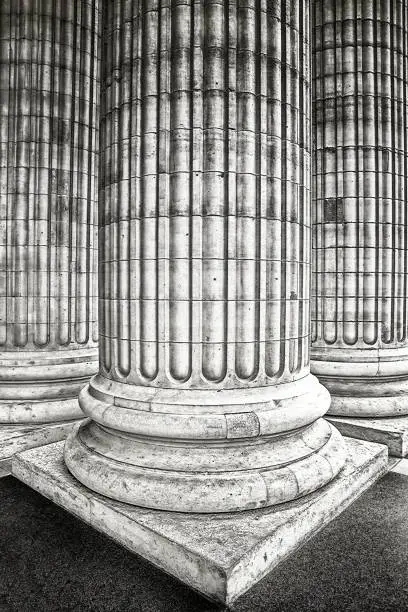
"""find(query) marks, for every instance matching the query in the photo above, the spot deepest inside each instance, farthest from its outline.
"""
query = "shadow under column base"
(392, 431)
(16, 438)
(219, 555)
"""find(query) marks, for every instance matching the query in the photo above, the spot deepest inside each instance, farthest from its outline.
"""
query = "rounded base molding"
(370, 406)
(205, 492)
(371, 384)
(33, 413)
(40, 387)
(210, 414)
(236, 450)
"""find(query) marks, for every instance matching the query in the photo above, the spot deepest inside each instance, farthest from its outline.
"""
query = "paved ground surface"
(50, 561)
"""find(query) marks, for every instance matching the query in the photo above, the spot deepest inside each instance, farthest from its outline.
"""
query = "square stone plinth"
(16, 438)
(391, 431)
(221, 555)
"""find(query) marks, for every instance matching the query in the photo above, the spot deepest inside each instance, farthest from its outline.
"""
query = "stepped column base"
(364, 383)
(204, 450)
(43, 387)
(39, 397)
(369, 393)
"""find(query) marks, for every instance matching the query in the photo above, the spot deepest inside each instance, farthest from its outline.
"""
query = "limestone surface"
(392, 431)
(16, 438)
(48, 172)
(220, 555)
(360, 230)
(204, 400)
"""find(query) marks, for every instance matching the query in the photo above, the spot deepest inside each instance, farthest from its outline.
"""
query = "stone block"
(391, 431)
(219, 555)
(399, 467)
(16, 438)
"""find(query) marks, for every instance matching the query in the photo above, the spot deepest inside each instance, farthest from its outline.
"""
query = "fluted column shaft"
(48, 151)
(360, 290)
(204, 262)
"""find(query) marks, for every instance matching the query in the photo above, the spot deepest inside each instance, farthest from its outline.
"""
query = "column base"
(392, 431)
(208, 451)
(17, 438)
(363, 383)
(374, 404)
(42, 387)
(219, 555)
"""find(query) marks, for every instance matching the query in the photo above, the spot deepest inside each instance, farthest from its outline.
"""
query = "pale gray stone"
(49, 92)
(392, 431)
(16, 438)
(359, 289)
(220, 555)
(204, 400)
(400, 467)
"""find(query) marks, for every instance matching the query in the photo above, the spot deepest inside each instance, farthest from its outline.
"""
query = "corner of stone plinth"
(5, 467)
(220, 556)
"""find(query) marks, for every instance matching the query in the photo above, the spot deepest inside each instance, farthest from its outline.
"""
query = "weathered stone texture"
(205, 264)
(222, 555)
(205, 208)
(48, 172)
(360, 232)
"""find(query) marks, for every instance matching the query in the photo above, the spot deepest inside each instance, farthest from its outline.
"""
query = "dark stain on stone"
(333, 210)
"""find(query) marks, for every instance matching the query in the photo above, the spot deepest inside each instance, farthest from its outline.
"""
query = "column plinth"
(48, 171)
(205, 450)
(204, 401)
(359, 297)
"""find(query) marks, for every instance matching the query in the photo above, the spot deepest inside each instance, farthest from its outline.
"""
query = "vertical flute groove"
(219, 379)
(360, 174)
(404, 334)
(48, 163)
(219, 207)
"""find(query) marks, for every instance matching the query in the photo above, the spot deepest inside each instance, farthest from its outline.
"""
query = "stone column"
(48, 149)
(360, 174)
(204, 401)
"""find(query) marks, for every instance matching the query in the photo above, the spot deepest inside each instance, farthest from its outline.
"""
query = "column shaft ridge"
(360, 223)
(204, 401)
(48, 172)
